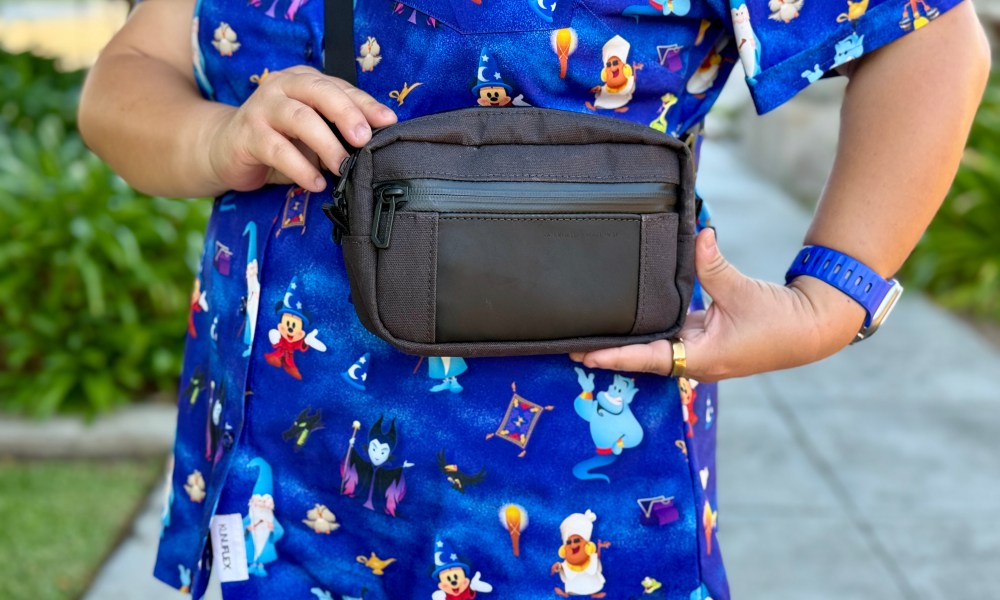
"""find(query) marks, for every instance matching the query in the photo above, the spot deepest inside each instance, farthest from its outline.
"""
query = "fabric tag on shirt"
(229, 548)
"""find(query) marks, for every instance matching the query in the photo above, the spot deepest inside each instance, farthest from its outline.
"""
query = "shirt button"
(227, 440)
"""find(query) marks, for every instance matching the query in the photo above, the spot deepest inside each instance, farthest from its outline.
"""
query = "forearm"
(150, 127)
(906, 117)
(141, 112)
(904, 123)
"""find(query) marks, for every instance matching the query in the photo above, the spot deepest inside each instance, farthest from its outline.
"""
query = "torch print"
(515, 519)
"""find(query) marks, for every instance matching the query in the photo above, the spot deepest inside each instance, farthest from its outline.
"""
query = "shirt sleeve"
(785, 45)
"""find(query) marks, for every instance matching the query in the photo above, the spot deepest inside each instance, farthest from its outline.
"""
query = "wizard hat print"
(489, 73)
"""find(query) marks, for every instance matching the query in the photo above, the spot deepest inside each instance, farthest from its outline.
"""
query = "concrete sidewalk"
(872, 475)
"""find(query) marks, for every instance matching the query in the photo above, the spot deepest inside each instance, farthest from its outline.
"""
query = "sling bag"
(512, 231)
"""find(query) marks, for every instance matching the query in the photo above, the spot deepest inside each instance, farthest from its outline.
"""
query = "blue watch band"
(854, 278)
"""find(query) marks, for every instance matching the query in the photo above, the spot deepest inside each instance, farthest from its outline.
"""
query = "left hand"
(752, 326)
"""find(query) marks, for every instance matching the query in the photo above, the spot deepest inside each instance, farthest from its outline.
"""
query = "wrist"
(210, 138)
(837, 317)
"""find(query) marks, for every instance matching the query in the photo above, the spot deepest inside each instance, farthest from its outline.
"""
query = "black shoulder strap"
(338, 40)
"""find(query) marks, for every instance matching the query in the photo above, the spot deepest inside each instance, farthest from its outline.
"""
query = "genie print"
(613, 427)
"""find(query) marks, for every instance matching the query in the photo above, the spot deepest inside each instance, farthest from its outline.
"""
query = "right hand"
(279, 136)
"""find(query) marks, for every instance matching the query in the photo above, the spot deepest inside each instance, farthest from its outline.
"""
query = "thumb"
(719, 278)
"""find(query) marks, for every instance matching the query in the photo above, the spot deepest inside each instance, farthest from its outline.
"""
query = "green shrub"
(96, 277)
(958, 259)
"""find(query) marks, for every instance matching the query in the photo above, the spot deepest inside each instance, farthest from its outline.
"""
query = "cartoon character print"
(263, 530)
(686, 387)
(617, 75)
(658, 8)
(613, 427)
(458, 480)
(709, 517)
(304, 425)
(708, 71)
(321, 520)
(290, 335)
(372, 472)
(452, 575)
(446, 369)
(214, 427)
(580, 568)
(195, 487)
(225, 39)
(746, 40)
(370, 54)
(184, 574)
(196, 384)
(290, 11)
(198, 60)
(813, 75)
(709, 521)
(848, 49)
(199, 304)
(168, 503)
(667, 101)
(650, 585)
(701, 593)
(251, 302)
(490, 88)
(785, 10)
(916, 14)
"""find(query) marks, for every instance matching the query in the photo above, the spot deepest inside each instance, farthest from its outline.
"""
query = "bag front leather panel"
(533, 277)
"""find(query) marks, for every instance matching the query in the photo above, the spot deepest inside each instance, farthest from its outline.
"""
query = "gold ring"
(679, 358)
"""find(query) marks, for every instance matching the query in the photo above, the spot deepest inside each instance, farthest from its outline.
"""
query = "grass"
(62, 518)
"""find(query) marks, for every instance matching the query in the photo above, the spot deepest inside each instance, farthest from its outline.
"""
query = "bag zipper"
(515, 197)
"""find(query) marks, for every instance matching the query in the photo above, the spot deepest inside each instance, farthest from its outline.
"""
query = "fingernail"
(362, 132)
(711, 246)
(715, 232)
(388, 113)
(319, 183)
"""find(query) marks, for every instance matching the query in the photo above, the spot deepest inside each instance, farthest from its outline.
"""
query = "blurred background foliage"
(958, 259)
(96, 277)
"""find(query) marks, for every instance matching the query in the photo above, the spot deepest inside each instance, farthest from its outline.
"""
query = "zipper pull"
(390, 198)
(345, 173)
(336, 210)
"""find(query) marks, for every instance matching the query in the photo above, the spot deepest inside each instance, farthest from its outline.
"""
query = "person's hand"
(752, 326)
(279, 136)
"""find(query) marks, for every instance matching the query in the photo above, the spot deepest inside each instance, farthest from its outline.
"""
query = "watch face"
(882, 312)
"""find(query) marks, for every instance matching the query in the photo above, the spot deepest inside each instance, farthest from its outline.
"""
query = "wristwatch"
(876, 295)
